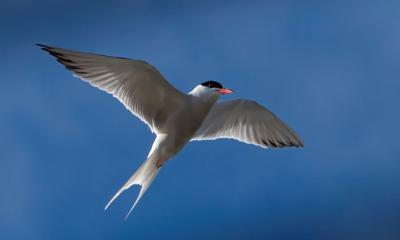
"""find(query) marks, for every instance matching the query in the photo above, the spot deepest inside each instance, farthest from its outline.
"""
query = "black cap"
(212, 84)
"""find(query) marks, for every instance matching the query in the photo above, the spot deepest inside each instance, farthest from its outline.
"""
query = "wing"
(249, 122)
(137, 84)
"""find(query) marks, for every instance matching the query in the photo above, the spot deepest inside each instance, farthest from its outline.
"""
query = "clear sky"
(330, 69)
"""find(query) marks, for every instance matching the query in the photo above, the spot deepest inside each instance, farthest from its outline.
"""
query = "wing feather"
(249, 122)
(138, 85)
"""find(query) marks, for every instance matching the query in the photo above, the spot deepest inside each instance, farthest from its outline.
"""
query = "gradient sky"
(330, 69)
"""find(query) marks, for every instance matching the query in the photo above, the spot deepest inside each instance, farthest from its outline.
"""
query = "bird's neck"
(206, 97)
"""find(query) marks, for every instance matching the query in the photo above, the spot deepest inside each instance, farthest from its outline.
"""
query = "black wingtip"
(43, 47)
(300, 143)
(282, 144)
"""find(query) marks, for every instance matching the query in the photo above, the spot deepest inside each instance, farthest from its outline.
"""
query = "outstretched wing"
(249, 122)
(137, 84)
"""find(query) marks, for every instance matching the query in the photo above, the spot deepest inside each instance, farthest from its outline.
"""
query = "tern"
(174, 117)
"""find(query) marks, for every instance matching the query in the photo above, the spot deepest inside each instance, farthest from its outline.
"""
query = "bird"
(174, 117)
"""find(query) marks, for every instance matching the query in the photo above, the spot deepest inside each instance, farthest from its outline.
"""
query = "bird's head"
(210, 89)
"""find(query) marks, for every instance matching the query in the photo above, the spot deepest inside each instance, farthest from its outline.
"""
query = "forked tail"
(143, 176)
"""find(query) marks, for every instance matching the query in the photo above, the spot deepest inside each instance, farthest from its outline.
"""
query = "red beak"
(225, 91)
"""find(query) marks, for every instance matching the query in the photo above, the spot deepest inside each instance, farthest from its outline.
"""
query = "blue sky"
(329, 69)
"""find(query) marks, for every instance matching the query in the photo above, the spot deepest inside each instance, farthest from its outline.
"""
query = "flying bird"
(174, 117)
